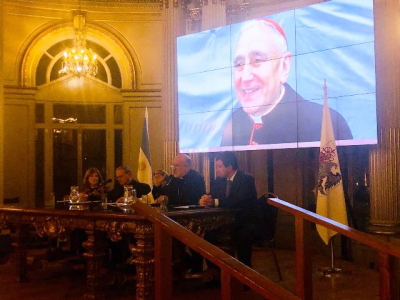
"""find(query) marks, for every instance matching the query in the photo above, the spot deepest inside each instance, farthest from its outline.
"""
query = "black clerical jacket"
(293, 120)
(185, 191)
(118, 190)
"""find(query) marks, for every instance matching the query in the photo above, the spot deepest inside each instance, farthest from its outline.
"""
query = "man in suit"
(124, 177)
(236, 189)
(272, 112)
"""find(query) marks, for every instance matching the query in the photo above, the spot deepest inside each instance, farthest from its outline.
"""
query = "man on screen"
(272, 112)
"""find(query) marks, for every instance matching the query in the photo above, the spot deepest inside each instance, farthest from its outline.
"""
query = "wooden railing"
(387, 252)
(233, 273)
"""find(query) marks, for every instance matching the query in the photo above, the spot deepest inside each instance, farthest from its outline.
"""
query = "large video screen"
(259, 84)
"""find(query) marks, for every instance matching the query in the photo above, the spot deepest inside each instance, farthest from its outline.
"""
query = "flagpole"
(330, 196)
(144, 172)
(333, 269)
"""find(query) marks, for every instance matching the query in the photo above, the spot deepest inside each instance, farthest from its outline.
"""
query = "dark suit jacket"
(292, 120)
(118, 190)
(243, 195)
(186, 191)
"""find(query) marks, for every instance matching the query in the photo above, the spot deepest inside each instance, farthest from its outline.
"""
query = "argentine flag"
(144, 173)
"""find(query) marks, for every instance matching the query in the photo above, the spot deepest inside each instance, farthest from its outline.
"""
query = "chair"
(268, 219)
(14, 200)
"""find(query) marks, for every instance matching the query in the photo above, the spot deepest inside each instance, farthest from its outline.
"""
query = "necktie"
(228, 188)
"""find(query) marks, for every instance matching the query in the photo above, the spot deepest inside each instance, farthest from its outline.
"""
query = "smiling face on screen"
(261, 67)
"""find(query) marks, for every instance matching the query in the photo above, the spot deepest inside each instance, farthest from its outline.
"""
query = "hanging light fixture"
(78, 60)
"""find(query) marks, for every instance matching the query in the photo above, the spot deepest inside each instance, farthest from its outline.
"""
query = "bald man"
(186, 186)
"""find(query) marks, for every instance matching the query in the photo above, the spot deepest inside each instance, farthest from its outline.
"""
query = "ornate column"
(174, 26)
(144, 260)
(236, 12)
(385, 158)
(206, 171)
(94, 245)
(213, 14)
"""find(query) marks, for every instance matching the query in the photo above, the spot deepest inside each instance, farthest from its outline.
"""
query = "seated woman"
(93, 185)
(160, 179)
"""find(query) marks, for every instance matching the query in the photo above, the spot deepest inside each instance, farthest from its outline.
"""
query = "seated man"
(186, 186)
(120, 250)
(236, 189)
(124, 177)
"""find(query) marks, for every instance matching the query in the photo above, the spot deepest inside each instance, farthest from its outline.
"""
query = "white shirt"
(233, 176)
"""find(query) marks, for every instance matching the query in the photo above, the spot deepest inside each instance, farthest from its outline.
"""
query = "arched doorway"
(78, 121)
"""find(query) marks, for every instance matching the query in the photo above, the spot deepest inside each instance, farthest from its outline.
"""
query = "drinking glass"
(74, 194)
(129, 194)
(163, 203)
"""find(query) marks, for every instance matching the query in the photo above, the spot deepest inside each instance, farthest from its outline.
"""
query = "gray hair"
(279, 40)
(126, 169)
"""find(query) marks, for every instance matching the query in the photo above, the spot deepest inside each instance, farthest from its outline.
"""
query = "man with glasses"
(120, 252)
(272, 112)
(185, 186)
(124, 177)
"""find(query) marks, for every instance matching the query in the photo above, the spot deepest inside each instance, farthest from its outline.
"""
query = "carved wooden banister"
(233, 273)
(303, 217)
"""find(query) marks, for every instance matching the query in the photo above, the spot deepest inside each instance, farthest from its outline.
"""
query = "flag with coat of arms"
(144, 173)
(330, 199)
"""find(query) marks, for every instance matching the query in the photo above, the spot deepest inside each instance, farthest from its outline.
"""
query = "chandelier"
(78, 60)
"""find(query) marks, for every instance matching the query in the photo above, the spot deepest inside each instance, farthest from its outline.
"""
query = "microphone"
(169, 179)
(106, 182)
(101, 188)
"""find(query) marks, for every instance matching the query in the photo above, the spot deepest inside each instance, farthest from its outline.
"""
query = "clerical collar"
(258, 119)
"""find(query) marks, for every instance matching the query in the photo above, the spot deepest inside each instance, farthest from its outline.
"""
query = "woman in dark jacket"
(93, 184)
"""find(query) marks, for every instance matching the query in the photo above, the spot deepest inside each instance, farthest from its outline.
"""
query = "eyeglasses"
(120, 176)
(177, 166)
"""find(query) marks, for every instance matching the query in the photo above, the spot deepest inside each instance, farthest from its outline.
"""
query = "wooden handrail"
(387, 252)
(231, 269)
(362, 237)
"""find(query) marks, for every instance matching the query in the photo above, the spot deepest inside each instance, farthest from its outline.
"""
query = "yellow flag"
(330, 200)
